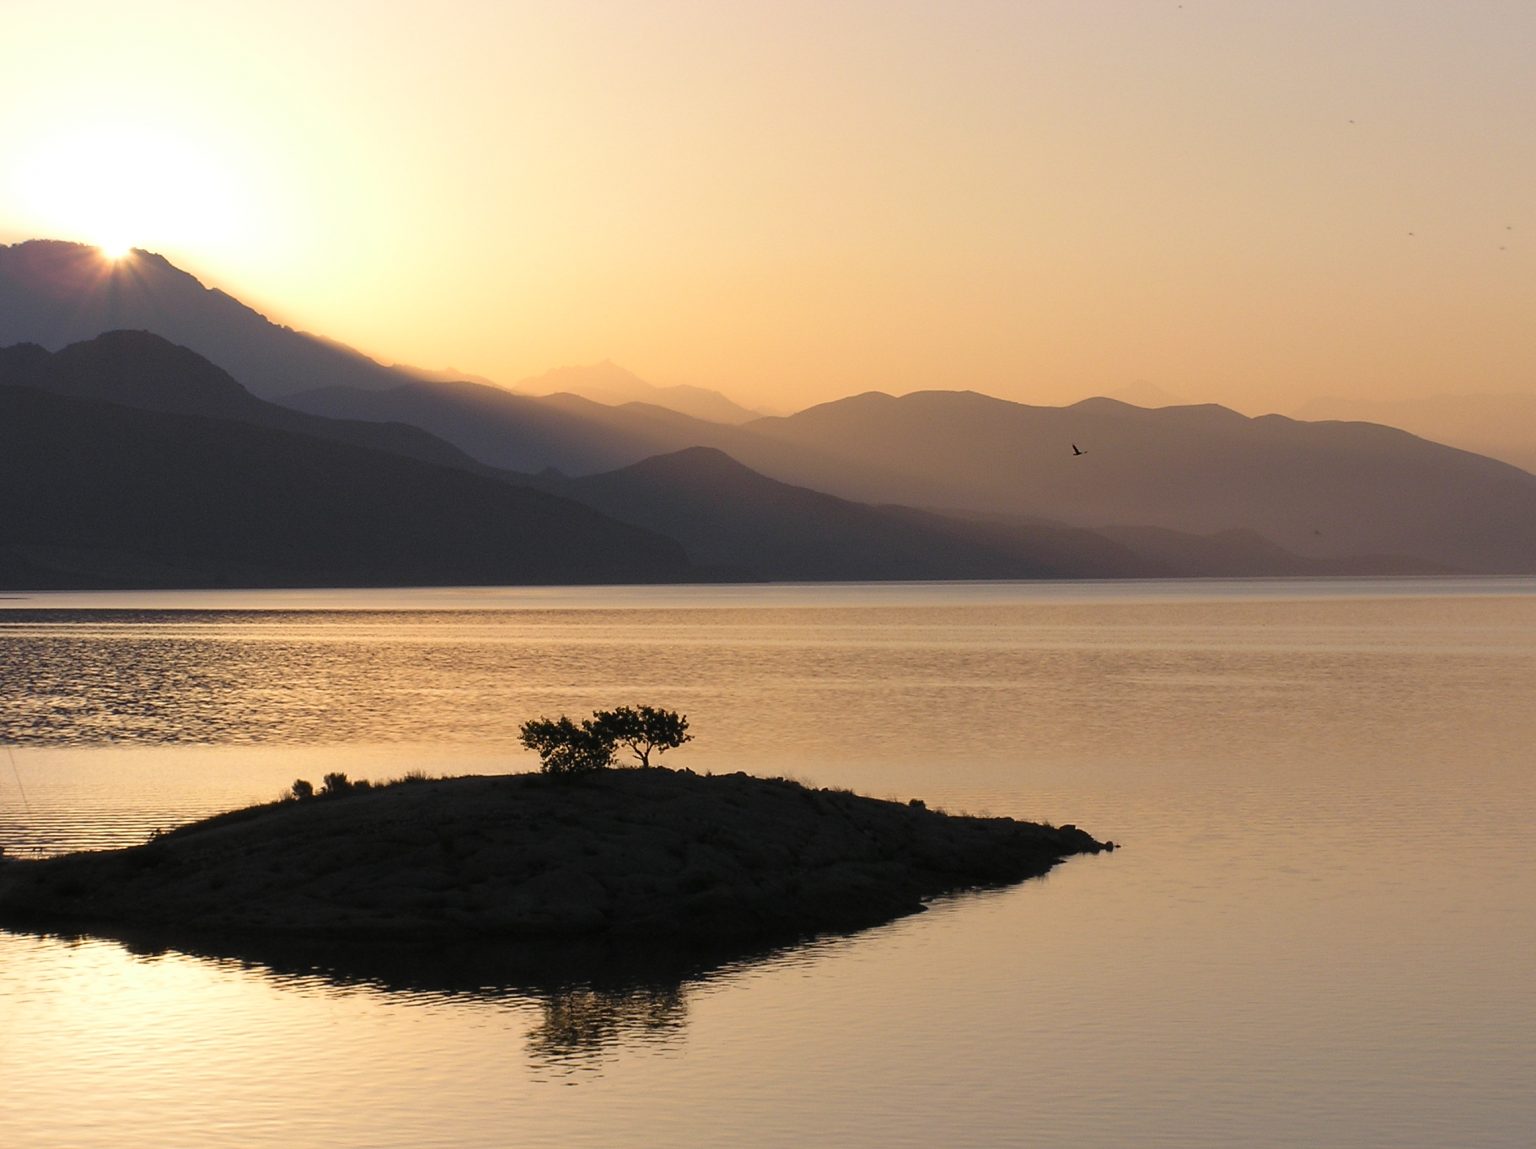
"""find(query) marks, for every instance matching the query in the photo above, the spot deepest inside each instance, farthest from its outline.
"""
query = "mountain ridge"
(606, 382)
(1327, 492)
(144, 370)
(55, 293)
(731, 518)
(103, 495)
(1501, 426)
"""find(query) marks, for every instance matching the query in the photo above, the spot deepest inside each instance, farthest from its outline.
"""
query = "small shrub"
(302, 790)
(335, 785)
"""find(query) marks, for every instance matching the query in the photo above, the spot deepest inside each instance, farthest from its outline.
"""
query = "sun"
(122, 186)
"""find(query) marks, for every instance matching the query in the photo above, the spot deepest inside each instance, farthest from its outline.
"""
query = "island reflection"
(593, 998)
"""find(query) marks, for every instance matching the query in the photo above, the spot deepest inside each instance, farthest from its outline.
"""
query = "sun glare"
(127, 186)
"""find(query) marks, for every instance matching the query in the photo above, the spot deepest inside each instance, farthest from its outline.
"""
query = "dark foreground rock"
(653, 854)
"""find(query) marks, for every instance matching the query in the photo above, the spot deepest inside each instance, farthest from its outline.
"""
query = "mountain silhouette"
(138, 369)
(728, 516)
(612, 385)
(102, 495)
(732, 519)
(518, 432)
(1338, 493)
(1499, 426)
(1334, 494)
(1320, 490)
(54, 293)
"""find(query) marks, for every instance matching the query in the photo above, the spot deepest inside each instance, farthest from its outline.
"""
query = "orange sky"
(1243, 202)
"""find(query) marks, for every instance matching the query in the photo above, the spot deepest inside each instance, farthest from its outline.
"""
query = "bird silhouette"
(1076, 450)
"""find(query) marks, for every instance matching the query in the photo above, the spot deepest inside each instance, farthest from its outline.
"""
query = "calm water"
(1321, 931)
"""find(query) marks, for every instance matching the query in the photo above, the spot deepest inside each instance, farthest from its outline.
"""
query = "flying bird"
(1076, 450)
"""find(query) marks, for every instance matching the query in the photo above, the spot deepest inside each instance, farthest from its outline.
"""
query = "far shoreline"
(706, 595)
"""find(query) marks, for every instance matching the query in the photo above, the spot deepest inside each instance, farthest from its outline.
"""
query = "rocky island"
(655, 854)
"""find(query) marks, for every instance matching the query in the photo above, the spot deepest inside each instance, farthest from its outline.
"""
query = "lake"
(1321, 929)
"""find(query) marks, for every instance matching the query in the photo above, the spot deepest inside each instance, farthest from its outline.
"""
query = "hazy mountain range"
(54, 293)
(1326, 491)
(142, 370)
(512, 431)
(608, 383)
(1329, 490)
(1499, 426)
(103, 495)
(735, 520)
(434, 479)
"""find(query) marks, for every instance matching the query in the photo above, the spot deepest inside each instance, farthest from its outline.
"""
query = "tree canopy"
(564, 747)
(644, 729)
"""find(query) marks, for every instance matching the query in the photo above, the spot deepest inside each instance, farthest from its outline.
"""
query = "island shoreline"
(656, 855)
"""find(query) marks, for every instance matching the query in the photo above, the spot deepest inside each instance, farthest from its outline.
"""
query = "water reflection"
(579, 1022)
(1323, 935)
(592, 998)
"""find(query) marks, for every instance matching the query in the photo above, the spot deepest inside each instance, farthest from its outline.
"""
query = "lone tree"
(566, 748)
(642, 729)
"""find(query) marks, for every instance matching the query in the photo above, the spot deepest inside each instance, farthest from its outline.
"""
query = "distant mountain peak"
(609, 383)
(694, 461)
(136, 368)
(1102, 403)
(1146, 394)
(144, 370)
